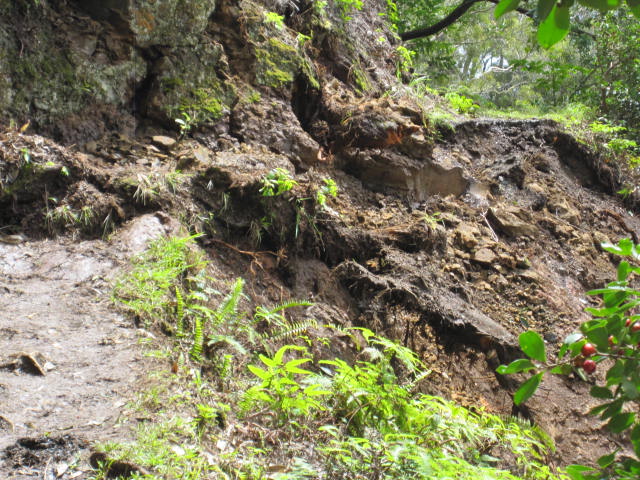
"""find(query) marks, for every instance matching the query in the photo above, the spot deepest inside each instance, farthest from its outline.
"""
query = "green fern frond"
(198, 340)
(228, 310)
(290, 331)
(179, 311)
(527, 426)
(229, 340)
(291, 304)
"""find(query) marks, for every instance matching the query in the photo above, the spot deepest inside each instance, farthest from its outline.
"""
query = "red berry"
(635, 327)
(589, 366)
(628, 322)
(612, 340)
(588, 350)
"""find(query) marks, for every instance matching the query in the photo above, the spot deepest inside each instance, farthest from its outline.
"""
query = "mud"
(55, 299)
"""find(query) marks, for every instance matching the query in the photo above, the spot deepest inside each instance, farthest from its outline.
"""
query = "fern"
(179, 312)
(198, 340)
(217, 340)
(291, 304)
(274, 315)
(290, 331)
(228, 310)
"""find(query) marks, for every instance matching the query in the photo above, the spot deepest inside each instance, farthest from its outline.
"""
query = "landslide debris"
(452, 242)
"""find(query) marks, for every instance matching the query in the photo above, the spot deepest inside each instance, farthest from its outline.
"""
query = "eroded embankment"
(509, 242)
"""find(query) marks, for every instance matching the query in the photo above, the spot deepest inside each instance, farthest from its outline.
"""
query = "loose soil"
(69, 360)
(456, 277)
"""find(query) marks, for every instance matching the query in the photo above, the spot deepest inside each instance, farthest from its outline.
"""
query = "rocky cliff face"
(453, 240)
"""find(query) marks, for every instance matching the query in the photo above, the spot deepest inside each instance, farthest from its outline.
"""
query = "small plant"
(60, 217)
(432, 220)
(86, 215)
(282, 387)
(611, 339)
(148, 290)
(461, 103)
(605, 128)
(146, 189)
(185, 124)
(320, 6)
(277, 182)
(621, 145)
(274, 19)
(347, 7)
(329, 189)
(405, 60)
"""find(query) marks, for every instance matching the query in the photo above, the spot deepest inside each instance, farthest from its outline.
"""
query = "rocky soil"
(451, 240)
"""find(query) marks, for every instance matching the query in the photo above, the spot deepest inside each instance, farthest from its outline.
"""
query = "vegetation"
(499, 63)
(294, 414)
(610, 339)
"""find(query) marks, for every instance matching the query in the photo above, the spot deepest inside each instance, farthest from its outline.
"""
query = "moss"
(279, 64)
(279, 54)
(360, 79)
(188, 83)
(203, 104)
(282, 47)
(171, 83)
(275, 70)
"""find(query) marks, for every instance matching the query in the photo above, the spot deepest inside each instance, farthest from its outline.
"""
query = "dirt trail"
(56, 311)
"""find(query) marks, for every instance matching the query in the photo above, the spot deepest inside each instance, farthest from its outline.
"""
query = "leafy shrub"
(610, 339)
(461, 103)
(277, 182)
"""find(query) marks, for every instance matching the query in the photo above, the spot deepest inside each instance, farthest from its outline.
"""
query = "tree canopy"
(553, 17)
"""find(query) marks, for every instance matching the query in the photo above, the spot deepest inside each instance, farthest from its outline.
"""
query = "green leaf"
(606, 460)
(277, 358)
(527, 389)
(555, 27)
(576, 471)
(532, 345)
(630, 389)
(568, 341)
(258, 372)
(267, 361)
(292, 366)
(600, 392)
(625, 247)
(601, 312)
(520, 365)
(599, 409)
(635, 439)
(615, 373)
(564, 369)
(623, 271)
(505, 6)
(612, 409)
(598, 335)
(621, 422)
(634, 6)
(544, 8)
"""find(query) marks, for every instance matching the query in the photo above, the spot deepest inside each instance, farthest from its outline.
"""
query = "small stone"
(466, 235)
(562, 209)
(484, 256)
(511, 220)
(166, 143)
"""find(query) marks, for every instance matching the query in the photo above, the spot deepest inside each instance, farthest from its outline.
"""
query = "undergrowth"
(246, 396)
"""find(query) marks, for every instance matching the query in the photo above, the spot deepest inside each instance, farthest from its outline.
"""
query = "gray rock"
(513, 221)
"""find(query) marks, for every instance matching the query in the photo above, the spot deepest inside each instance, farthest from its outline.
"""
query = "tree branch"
(442, 24)
(460, 10)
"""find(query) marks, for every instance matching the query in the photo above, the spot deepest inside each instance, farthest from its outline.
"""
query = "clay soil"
(454, 275)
